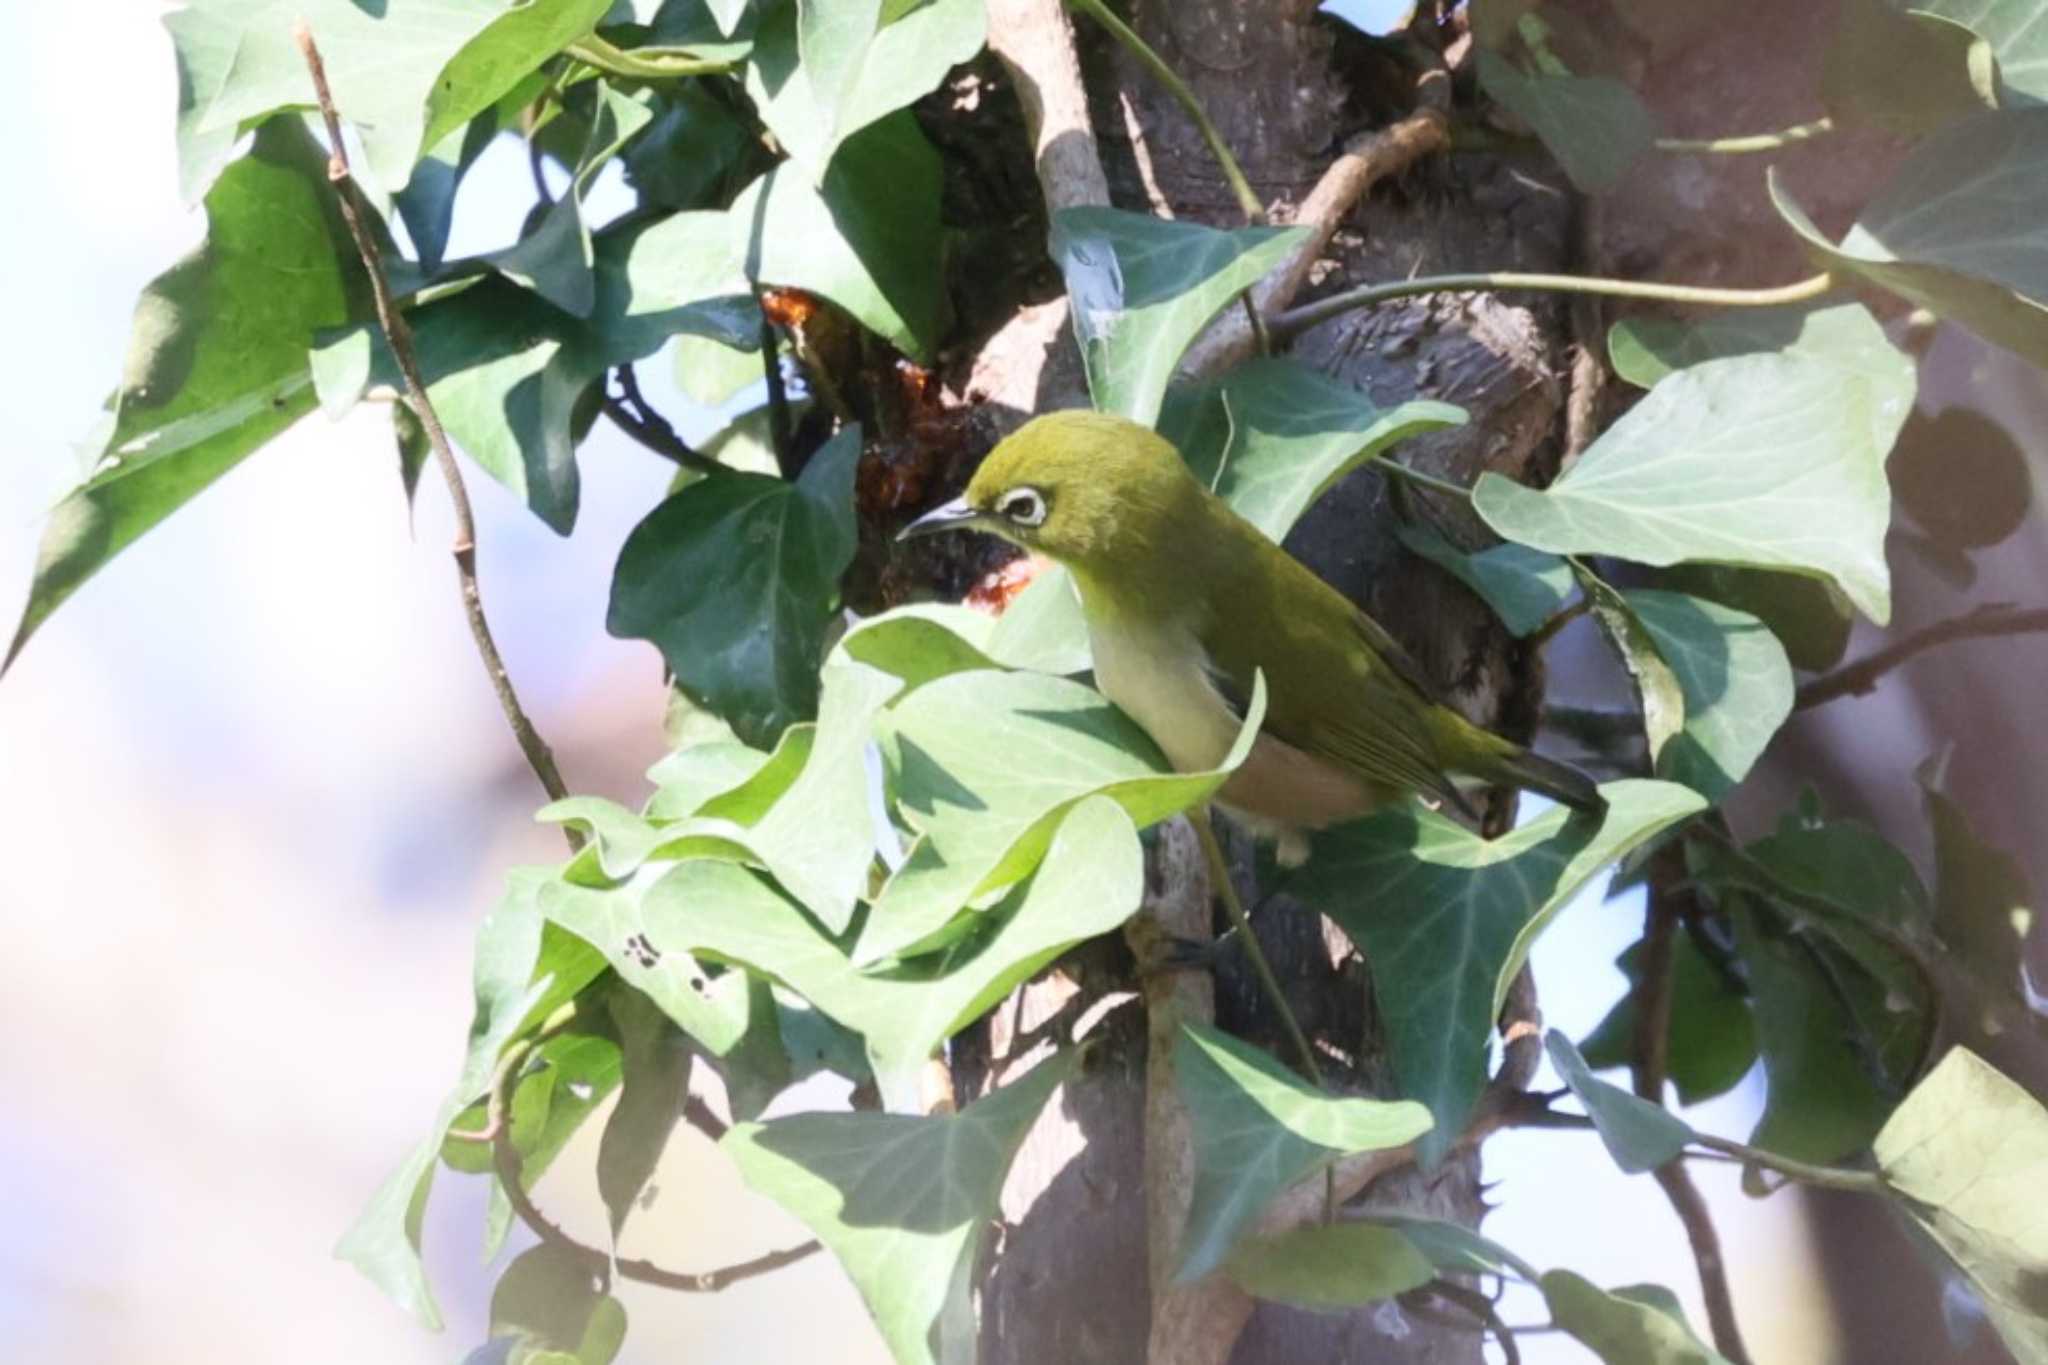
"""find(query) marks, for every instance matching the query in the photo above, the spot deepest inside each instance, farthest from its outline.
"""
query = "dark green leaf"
(1962, 477)
(1446, 919)
(1983, 904)
(1962, 229)
(2014, 31)
(1258, 1129)
(1639, 1325)
(1640, 1136)
(1905, 72)
(1142, 288)
(1329, 1266)
(427, 203)
(901, 1201)
(1272, 436)
(1810, 616)
(1712, 1039)
(1089, 883)
(868, 238)
(1736, 683)
(405, 73)
(216, 360)
(548, 1302)
(985, 766)
(734, 580)
(1773, 461)
(1524, 587)
(1594, 125)
(1967, 1154)
(691, 156)
(654, 1081)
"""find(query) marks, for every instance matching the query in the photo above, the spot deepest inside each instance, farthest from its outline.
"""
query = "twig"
(398, 335)
(1754, 142)
(1557, 621)
(1650, 1065)
(1827, 1177)
(1034, 40)
(632, 414)
(1429, 481)
(1233, 174)
(536, 164)
(1986, 622)
(1295, 321)
(1219, 873)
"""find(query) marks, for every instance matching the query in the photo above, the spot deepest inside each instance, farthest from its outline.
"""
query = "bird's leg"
(1219, 874)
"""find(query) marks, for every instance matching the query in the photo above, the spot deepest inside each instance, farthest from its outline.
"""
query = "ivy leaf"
(1594, 125)
(405, 73)
(1524, 587)
(1329, 1266)
(1773, 461)
(524, 971)
(691, 776)
(1644, 350)
(1967, 1155)
(1639, 1135)
(986, 764)
(1639, 1325)
(734, 580)
(549, 1306)
(654, 1081)
(2012, 28)
(1983, 904)
(901, 1201)
(822, 70)
(1809, 616)
(216, 360)
(694, 155)
(1905, 71)
(1090, 882)
(1257, 1130)
(1142, 288)
(921, 642)
(1711, 1041)
(1455, 1249)
(1446, 918)
(1962, 229)
(556, 260)
(867, 237)
(1044, 630)
(622, 840)
(1273, 436)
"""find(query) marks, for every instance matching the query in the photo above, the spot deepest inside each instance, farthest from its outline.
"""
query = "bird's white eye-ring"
(1024, 506)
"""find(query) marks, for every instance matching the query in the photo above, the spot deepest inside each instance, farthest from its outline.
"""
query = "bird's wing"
(1347, 692)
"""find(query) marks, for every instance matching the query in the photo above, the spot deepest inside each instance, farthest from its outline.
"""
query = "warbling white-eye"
(1186, 601)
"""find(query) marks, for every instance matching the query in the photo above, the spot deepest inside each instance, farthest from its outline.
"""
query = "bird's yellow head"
(1096, 492)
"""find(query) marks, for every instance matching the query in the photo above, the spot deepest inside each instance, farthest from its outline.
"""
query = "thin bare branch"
(398, 334)
(1986, 622)
(635, 416)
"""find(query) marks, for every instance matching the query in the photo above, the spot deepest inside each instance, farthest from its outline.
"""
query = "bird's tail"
(1488, 757)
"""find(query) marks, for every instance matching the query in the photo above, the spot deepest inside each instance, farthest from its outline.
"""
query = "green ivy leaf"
(1090, 882)
(901, 1201)
(985, 766)
(1735, 681)
(1809, 616)
(1272, 436)
(1774, 461)
(1983, 903)
(1639, 1325)
(548, 1303)
(1905, 71)
(405, 73)
(1044, 630)
(654, 1081)
(1644, 350)
(1962, 229)
(694, 155)
(1445, 945)
(1639, 1135)
(427, 203)
(1594, 125)
(1142, 288)
(524, 971)
(1524, 587)
(2012, 28)
(1257, 1130)
(1455, 1249)
(822, 70)
(216, 360)
(734, 580)
(1329, 1266)
(1967, 1156)
(1711, 1040)
(691, 776)
(867, 237)
(921, 642)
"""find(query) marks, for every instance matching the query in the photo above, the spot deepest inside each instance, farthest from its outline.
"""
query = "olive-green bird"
(1186, 601)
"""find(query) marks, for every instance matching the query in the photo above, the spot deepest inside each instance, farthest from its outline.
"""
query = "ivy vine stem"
(1269, 982)
(1754, 142)
(1805, 1172)
(643, 64)
(1295, 321)
(398, 335)
(1434, 484)
(1247, 197)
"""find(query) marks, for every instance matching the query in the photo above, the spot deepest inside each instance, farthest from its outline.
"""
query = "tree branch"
(398, 335)
(632, 414)
(1986, 622)
(1650, 1065)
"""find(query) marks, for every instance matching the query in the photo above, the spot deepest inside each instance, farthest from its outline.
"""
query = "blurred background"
(257, 796)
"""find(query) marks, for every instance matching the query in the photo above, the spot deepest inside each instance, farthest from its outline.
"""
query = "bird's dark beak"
(945, 517)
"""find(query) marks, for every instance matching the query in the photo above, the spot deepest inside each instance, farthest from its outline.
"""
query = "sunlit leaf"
(1639, 1325)
(1257, 1130)
(1445, 918)
(1142, 288)
(901, 1201)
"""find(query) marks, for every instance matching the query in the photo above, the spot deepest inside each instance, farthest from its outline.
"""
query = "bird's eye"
(1024, 506)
